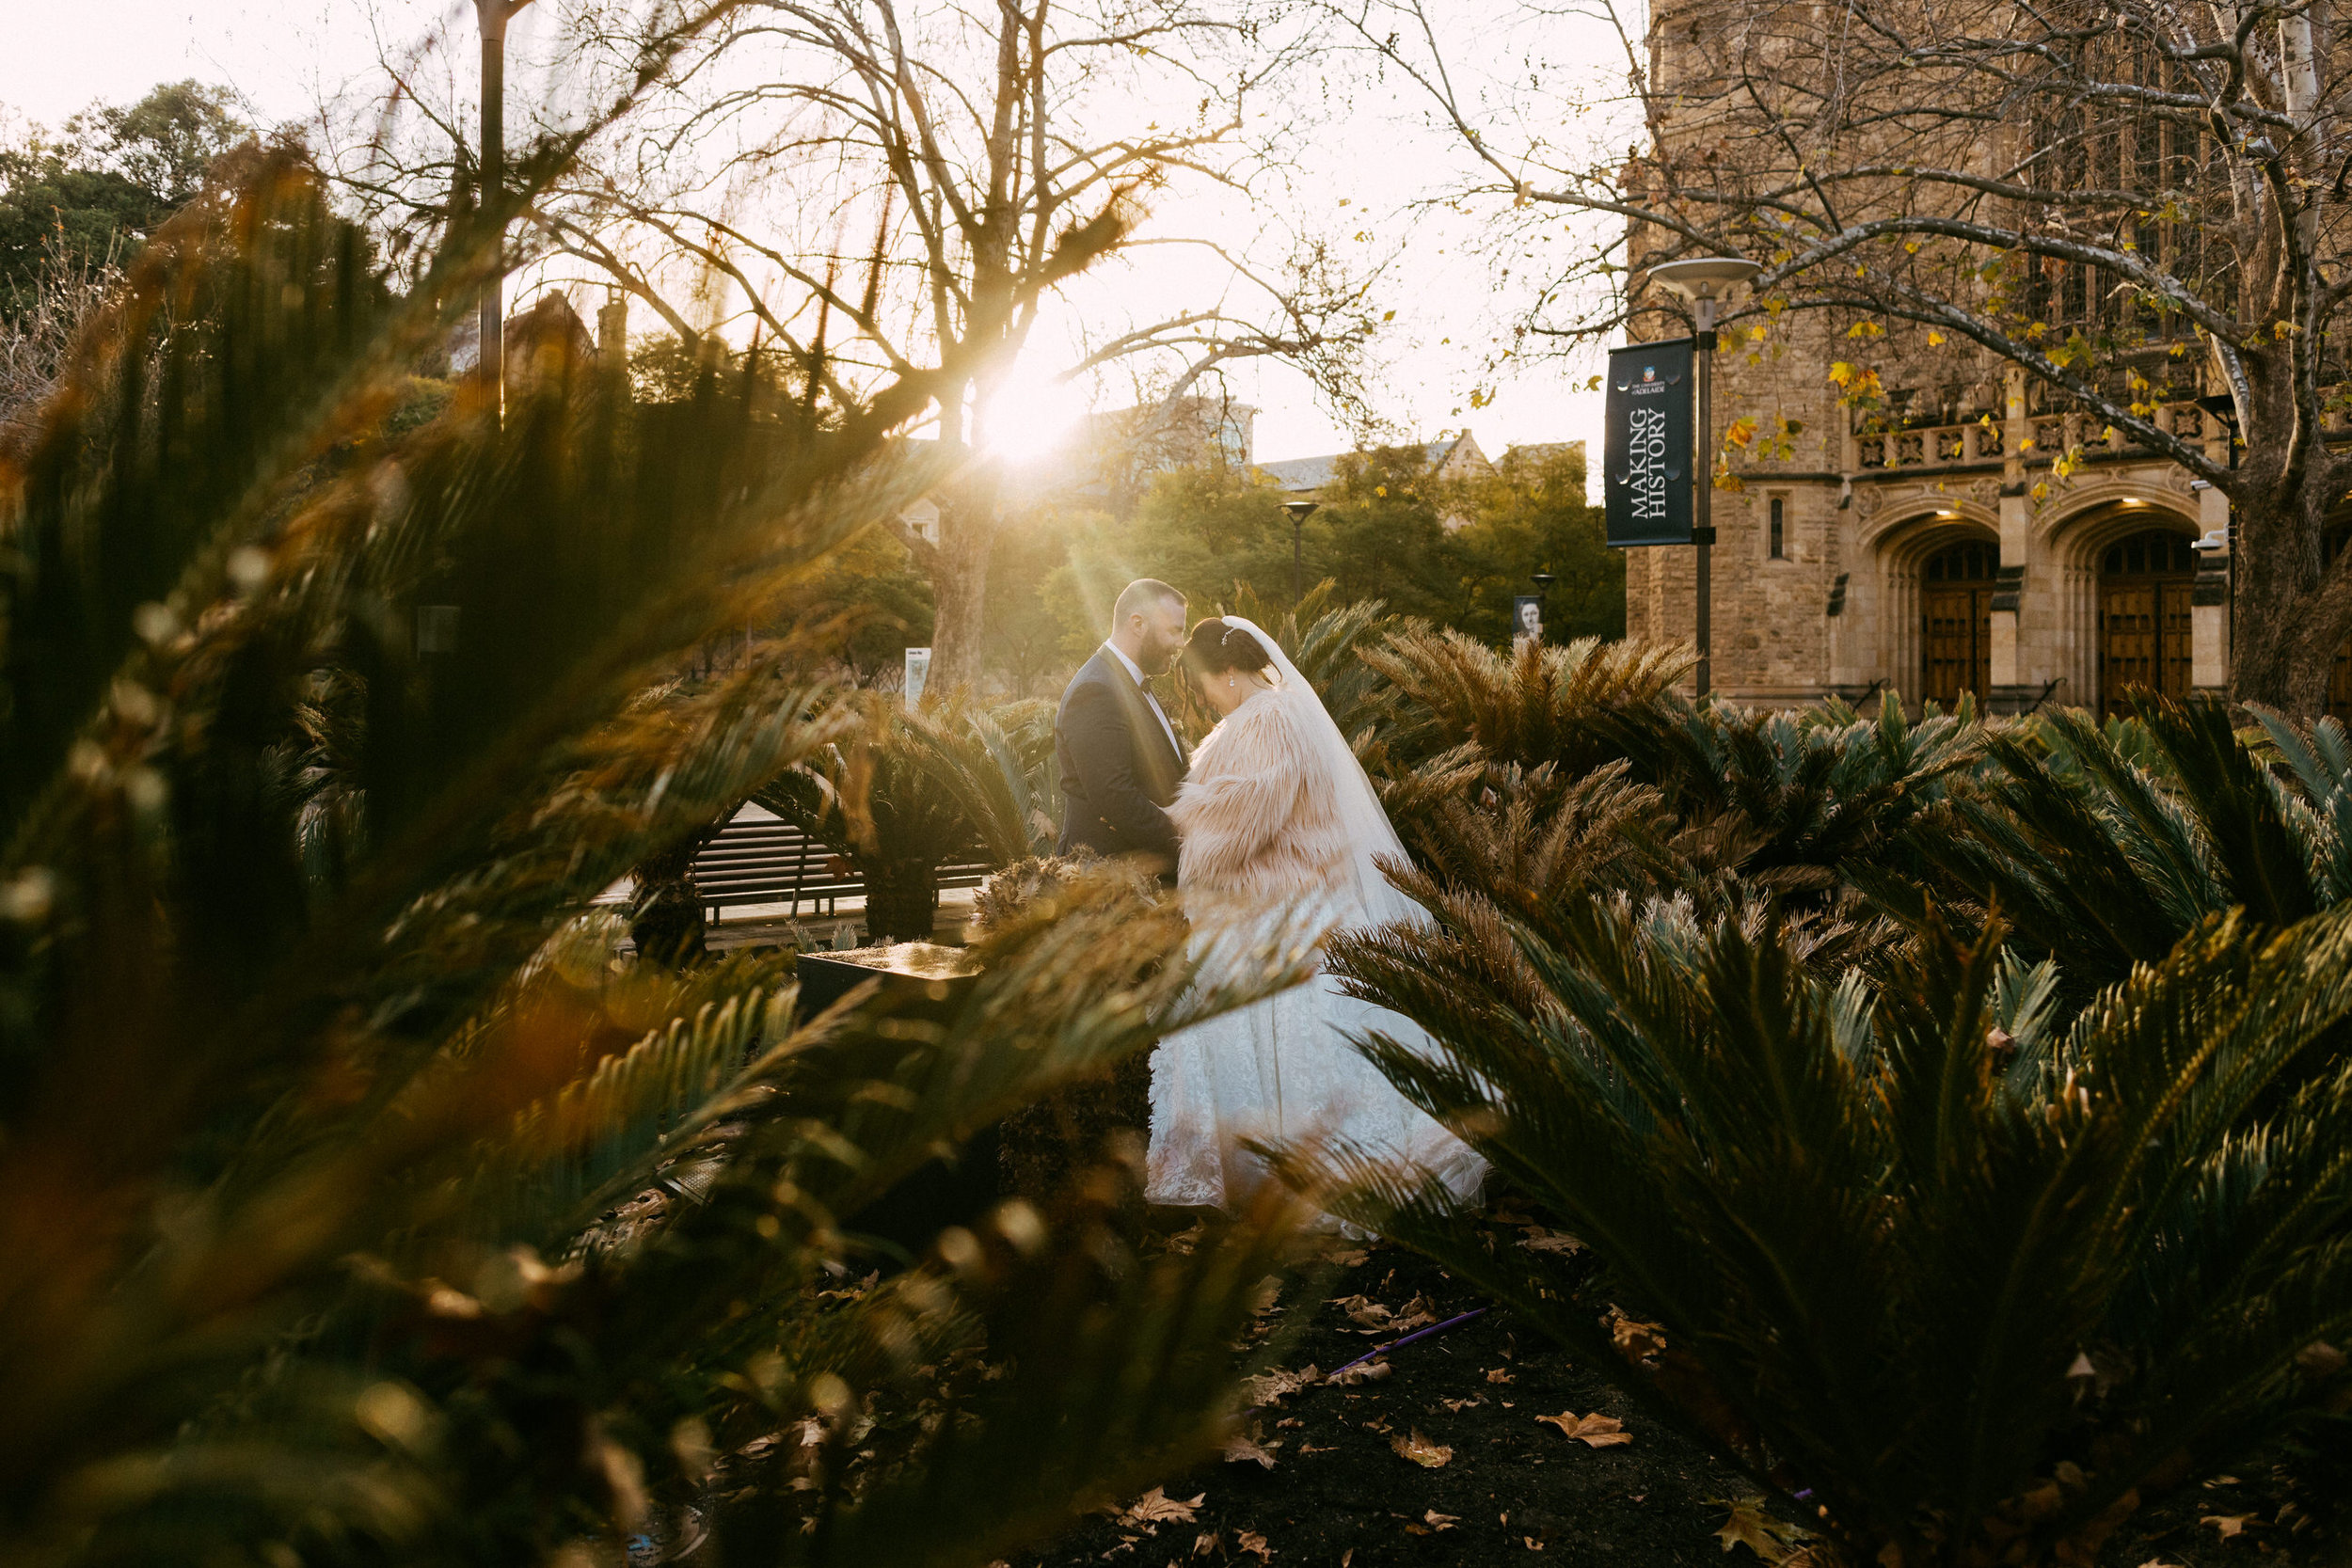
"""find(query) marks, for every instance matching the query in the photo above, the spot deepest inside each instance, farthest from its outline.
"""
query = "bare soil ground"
(1445, 1460)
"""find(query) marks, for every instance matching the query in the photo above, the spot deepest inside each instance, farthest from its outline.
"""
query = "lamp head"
(1300, 511)
(1705, 277)
(1543, 581)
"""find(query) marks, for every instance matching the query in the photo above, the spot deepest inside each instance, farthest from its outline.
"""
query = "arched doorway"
(2144, 617)
(1956, 621)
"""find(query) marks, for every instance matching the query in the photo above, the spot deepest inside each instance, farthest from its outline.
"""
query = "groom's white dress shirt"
(1136, 670)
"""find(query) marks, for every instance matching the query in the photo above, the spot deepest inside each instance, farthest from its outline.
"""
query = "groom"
(1121, 760)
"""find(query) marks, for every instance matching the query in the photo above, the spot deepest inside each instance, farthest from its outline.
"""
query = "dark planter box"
(920, 980)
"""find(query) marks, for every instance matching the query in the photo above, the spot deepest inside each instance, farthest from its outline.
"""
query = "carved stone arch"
(1899, 548)
(2074, 541)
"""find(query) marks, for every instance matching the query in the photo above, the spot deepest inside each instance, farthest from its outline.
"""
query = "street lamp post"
(1707, 281)
(1300, 511)
(494, 15)
(1543, 581)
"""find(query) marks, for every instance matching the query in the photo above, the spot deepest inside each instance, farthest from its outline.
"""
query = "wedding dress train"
(1280, 828)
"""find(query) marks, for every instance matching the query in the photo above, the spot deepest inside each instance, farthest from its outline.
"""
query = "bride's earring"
(1229, 683)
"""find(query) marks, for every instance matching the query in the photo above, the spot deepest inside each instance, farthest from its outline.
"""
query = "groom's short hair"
(1140, 595)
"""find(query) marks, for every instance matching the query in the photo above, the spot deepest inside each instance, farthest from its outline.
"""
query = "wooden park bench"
(758, 860)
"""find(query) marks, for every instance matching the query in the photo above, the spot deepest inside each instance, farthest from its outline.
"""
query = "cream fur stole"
(1260, 820)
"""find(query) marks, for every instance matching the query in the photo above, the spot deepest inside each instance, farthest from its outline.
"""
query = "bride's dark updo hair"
(1216, 648)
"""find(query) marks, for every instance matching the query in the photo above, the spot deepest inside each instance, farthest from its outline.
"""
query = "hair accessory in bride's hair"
(1217, 647)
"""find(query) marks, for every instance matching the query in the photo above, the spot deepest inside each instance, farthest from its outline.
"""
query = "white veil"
(1372, 837)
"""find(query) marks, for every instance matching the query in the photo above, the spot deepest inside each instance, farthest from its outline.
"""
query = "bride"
(1279, 823)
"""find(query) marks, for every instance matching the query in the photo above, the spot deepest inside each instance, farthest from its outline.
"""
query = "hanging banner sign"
(1645, 449)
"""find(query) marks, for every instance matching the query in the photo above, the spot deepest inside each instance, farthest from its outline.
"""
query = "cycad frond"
(1878, 1241)
(1568, 705)
(337, 1134)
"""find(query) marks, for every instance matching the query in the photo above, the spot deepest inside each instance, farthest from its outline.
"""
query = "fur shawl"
(1259, 818)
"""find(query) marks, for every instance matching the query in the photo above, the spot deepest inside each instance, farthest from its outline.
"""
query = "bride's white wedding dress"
(1280, 825)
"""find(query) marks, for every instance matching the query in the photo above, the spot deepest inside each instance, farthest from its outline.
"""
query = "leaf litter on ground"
(1749, 1525)
(1156, 1507)
(1596, 1430)
(1421, 1450)
(1244, 1448)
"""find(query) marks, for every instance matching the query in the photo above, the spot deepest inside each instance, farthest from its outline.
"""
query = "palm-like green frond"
(367, 1206)
(1877, 1242)
(2109, 845)
(1570, 705)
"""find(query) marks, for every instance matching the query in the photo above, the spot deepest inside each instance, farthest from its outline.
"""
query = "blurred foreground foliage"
(358, 1207)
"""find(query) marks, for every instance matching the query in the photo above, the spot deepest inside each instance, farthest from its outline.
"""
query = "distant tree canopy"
(1381, 533)
(100, 186)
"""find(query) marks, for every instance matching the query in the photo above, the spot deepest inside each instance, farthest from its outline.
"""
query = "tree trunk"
(2289, 619)
(901, 900)
(967, 537)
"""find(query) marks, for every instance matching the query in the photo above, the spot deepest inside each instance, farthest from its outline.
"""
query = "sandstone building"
(1920, 558)
(1934, 543)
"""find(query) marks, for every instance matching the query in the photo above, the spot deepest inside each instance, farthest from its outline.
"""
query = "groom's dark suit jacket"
(1119, 771)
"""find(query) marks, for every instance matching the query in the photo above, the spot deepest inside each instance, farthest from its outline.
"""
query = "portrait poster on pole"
(919, 674)
(1645, 444)
(1527, 617)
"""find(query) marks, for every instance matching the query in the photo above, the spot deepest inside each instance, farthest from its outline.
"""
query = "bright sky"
(281, 54)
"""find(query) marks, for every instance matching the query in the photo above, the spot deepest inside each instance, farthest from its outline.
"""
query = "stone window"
(1777, 527)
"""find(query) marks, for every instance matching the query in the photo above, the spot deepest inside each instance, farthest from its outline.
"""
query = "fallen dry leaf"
(1416, 1313)
(1305, 1447)
(1532, 1545)
(1349, 1259)
(1436, 1520)
(2158, 1562)
(1205, 1542)
(1496, 1374)
(1463, 1404)
(1251, 1542)
(1422, 1452)
(1241, 1449)
(1537, 1239)
(1368, 1314)
(1596, 1430)
(1750, 1527)
(2228, 1524)
(1347, 1556)
(1275, 1387)
(1368, 1372)
(1156, 1507)
(1636, 1340)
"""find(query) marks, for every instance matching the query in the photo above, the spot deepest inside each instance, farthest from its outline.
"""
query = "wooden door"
(2145, 643)
(1956, 621)
(1955, 642)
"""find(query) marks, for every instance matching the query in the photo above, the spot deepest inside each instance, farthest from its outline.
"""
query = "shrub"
(1972, 1280)
(362, 1211)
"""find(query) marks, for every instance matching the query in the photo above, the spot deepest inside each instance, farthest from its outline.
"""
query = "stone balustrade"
(1984, 442)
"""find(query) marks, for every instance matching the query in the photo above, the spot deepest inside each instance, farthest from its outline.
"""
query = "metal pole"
(493, 15)
(1702, 487)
